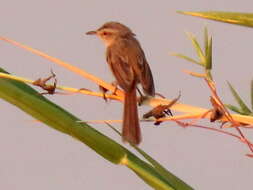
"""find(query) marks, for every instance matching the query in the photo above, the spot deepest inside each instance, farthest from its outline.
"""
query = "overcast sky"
(34, 156)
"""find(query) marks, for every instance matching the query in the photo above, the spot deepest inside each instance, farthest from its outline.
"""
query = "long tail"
(131, 127)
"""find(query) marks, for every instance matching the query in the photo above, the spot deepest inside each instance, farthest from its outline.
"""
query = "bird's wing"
(141, 68)
(121, 69)
(129, 65)
(146, 78)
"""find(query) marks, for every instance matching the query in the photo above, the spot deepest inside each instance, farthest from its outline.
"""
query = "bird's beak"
(91, 32)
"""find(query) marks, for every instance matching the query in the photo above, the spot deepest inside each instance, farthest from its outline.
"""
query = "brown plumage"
(129, 66)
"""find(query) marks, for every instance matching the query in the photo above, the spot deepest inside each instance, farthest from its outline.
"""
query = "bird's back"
(127, 53)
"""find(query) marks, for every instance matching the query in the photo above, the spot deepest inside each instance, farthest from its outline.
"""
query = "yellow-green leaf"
(234, 108)
(243, 106)
(186, 58)
(198, 49)
(244, 19)
(251, 94)
(171, 178)
(209, 54)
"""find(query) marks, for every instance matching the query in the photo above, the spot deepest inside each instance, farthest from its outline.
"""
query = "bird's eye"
(105, 33)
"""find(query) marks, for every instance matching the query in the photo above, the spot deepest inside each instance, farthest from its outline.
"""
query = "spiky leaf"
(209, 55)
(198, 49)
(243, 106)
(234, 109)
(186, 58)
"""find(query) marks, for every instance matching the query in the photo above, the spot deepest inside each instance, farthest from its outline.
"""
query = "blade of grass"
(31, 102)
(199, 75)
(206, 40)
(209, 55)
(175, 181)
(197, 48)
(234, 109)
(243, 106)
(243, 19)
(146, 172)
(251, 94)
(186, 58)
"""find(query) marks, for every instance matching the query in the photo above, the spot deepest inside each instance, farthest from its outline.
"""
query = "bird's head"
(111, 31)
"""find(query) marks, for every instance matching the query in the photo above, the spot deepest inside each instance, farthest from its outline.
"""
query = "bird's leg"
(142, 97)
(160, 95)
(115, 84)
(103, 90)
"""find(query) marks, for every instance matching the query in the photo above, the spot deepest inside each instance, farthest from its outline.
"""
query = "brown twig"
(184, 124)
(226, 113)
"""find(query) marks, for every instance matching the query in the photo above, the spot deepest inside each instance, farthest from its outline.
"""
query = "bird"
(129, 66)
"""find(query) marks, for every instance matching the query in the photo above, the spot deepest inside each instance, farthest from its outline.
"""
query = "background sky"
(34, 156)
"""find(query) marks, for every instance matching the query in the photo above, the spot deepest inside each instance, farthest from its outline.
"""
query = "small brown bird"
(129, 66)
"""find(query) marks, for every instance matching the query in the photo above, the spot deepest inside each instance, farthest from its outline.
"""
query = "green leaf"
(251, 94)
(33, 103)
(242, 105)
(209, 74)
(174, 181)
(197, 48)
(244, 19)
(234, 109)
(186, 58)
(209, 55)
(206, 41)
(208, 49)
(147, 173)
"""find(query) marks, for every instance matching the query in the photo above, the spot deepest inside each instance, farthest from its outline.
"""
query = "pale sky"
(34, 156)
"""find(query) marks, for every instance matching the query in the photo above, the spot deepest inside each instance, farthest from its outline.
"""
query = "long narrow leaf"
(186, 58)
(244, 19)
(234, 109)
(146, 172)
(175, 181)
(251, 94)
(206, 40)
(209, 54)
(243, 106)
(33, 103)
(198, 49)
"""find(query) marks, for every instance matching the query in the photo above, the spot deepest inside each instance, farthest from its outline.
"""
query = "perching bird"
(128, 64)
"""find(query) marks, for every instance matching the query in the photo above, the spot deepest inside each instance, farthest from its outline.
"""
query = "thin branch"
(64, 88)
(65, 65)
(214, 129)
